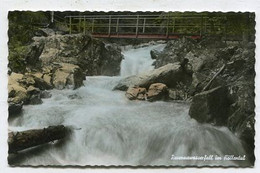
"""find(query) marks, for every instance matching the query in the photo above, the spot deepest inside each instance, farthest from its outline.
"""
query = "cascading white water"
(138, 60)
(108, 129)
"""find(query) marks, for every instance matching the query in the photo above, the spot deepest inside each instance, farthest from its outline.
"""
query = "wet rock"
(157, 91)
(175, 94)
(169, 75)
(111, 60)
(136, 93)
(210, 106)
(35, 99)
(68, 75)
(154, 54)
(31, 90)
(45, 94)
(14, 108)
(41, 83)
(74, 96)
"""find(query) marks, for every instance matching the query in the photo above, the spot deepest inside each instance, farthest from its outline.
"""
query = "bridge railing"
(136, 26)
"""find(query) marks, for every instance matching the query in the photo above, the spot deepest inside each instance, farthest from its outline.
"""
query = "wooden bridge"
(164, 26)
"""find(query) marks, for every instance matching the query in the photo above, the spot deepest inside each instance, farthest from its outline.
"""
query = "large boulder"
(93, 56)
(174, 51)
(16, 92)
(157, 91)
(22, 57)
(210, 106)
(169, 75)
(68, 75)
(47, 79)
(14, 108)
(154, 54)
(136, 93)
(36, 80)
(34, 94)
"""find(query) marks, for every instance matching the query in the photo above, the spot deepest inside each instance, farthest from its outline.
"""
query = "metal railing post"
(109, 26)
(137, 23)
(167, 29)
(144, 25)
(79, 25)
(201, 25)
(173, 25)
(117, 23)
(225, 30)
(70, 24)
(84, 25)
(205, 25)
(92, 25)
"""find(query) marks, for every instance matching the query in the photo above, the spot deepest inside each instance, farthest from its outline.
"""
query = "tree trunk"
(213, 78)
(18, 141)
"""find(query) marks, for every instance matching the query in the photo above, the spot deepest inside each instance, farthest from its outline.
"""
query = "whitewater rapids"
(108, 129)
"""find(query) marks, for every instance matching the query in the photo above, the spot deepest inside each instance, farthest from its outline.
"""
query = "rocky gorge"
(216, 78)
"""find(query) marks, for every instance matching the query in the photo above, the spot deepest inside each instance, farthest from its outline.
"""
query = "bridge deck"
(142, 36)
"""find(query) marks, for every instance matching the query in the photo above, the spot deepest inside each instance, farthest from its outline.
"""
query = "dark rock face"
(45, 94)
(15, 108)
(177, 94)
(24, 57)
(205, 59)
(35, 100)
(93, 56)
(210, 106)
(111, 58)
(175, 51)
(74, 96)
(169, 75)
(32, 57)
(154, 54)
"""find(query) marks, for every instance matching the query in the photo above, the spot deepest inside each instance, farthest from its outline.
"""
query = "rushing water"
(138, 60)
(108, 129)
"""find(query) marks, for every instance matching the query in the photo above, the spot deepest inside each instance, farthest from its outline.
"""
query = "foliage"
(22, 26)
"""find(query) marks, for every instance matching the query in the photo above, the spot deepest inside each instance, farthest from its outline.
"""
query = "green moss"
(17, 58)
(22, 26)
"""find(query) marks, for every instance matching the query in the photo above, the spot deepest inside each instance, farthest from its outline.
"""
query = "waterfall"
(108, 129)
(138, 60)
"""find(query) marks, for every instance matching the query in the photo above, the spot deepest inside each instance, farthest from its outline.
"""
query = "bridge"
(164, 26)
